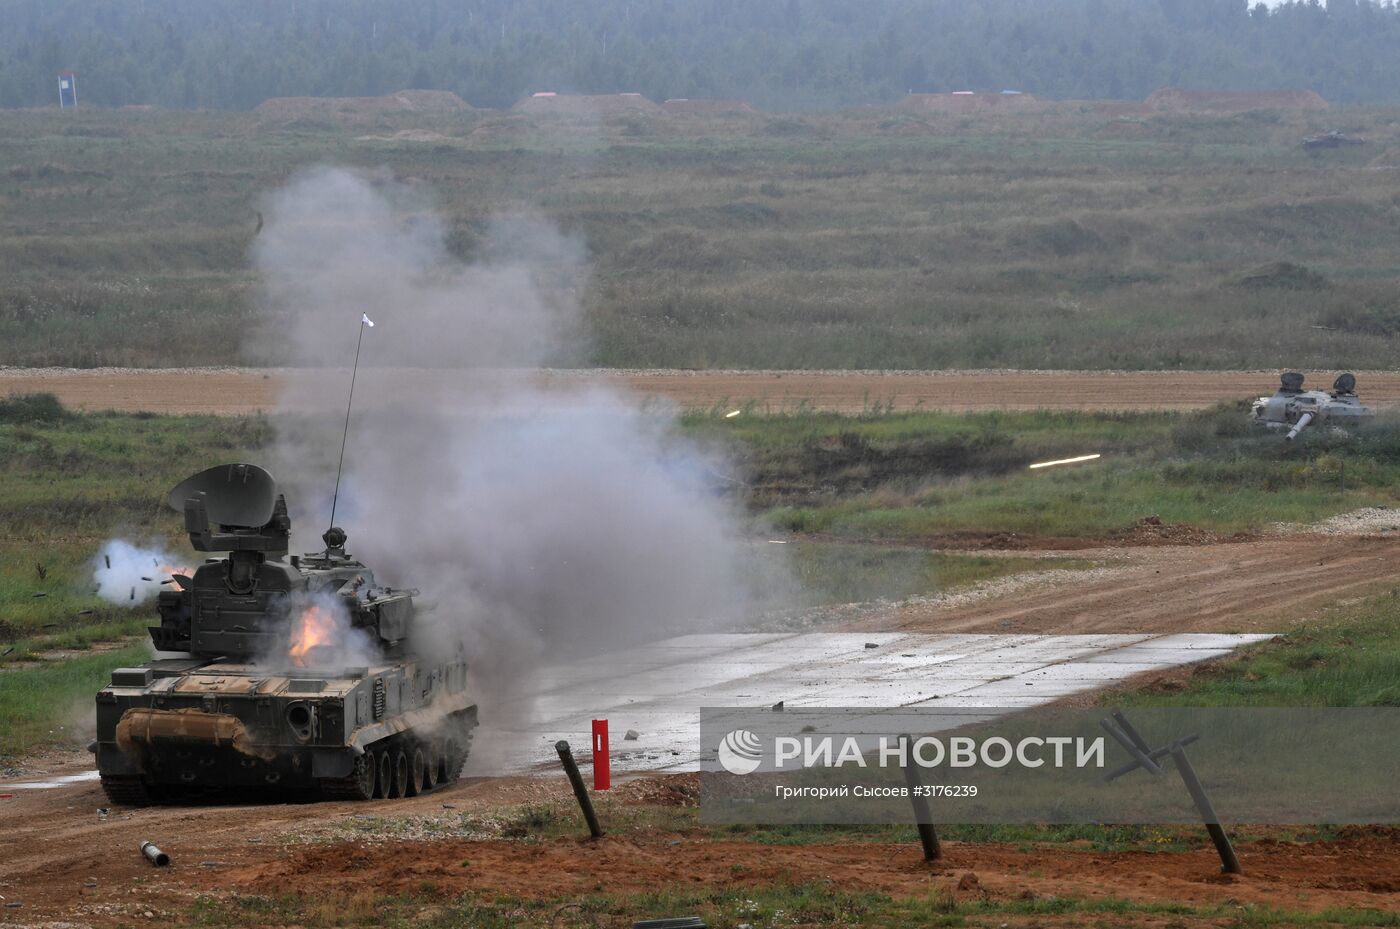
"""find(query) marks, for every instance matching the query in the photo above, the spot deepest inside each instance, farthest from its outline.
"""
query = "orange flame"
(170, 570)
(314, 627)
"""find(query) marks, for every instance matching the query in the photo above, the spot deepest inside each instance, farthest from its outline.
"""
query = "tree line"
(777, 54)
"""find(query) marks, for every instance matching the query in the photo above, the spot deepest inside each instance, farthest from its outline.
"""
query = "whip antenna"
(365, 322)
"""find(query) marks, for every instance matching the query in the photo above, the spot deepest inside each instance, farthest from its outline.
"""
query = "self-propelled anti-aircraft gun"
(281, 673)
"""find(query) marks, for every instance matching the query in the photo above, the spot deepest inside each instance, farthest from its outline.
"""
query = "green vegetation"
(835, 572)
(48, 703)
(1071, 238)
(619, 816)
(929, 475)
(1351, 657)
(798, 53)
(73, 481)
(800, 904)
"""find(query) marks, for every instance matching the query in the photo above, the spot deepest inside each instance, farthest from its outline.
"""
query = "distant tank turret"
(1295, 409)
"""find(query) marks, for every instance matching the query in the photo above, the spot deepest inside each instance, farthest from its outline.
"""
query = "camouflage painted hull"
(180, 726)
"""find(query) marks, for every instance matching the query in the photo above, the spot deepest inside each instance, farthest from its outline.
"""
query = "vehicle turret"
(1293, 408)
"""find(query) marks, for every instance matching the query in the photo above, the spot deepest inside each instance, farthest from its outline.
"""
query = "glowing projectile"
(1051, 464)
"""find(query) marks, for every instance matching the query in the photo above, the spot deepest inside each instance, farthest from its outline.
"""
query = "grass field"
(867, 238)
(925, 475)
(1348, 658)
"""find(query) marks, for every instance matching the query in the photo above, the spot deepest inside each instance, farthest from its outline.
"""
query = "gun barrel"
(1299, 426)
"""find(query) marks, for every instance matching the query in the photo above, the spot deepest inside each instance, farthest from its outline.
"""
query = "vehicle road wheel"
(432, 761)
(417, 773)
(359, 785)
(400, 774)
(384, 774)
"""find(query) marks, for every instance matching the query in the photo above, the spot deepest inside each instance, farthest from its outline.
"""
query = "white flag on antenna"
(364, 318)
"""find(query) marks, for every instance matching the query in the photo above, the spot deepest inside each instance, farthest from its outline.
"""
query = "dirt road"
(243, 390)
(1260, 586)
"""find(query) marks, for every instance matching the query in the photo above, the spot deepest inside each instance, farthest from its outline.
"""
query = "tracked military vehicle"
(298, 673)
(1293, 408)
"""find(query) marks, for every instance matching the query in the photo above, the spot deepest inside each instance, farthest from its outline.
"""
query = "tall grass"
(859, 239)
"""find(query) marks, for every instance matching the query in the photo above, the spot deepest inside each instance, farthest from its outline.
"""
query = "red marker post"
(602, 770)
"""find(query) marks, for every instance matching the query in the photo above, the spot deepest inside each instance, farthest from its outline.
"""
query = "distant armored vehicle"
(1333, 139)
(1293, 408)
(295, 675)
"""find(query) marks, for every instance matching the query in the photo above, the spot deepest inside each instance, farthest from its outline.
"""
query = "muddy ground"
(66, 861)
(245, 390)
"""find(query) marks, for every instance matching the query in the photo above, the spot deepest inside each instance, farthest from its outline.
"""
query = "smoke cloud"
(127, 574)
(535, 524)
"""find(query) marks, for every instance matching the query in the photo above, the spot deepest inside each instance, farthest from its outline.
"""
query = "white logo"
(740, 752)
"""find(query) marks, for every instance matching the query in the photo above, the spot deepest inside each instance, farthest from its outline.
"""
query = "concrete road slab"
(658, 689)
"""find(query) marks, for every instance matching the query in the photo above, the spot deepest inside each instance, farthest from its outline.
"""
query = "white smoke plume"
(534, 523)
(130, 574)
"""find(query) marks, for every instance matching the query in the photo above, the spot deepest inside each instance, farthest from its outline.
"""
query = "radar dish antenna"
(235, 495)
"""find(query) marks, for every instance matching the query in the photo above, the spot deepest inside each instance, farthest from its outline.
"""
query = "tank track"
(457, 766)
(127, 791)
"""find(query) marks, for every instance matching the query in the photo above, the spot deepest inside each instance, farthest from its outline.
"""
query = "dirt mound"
(966, 103)
(437, 102)
(586, 105)
(1150, 530)
(683, 105)
(1175, 100)
(665, 790)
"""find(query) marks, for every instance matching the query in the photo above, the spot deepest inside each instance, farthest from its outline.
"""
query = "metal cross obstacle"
(1146, 757)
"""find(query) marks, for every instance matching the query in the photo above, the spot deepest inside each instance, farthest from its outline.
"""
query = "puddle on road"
(52, 782)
